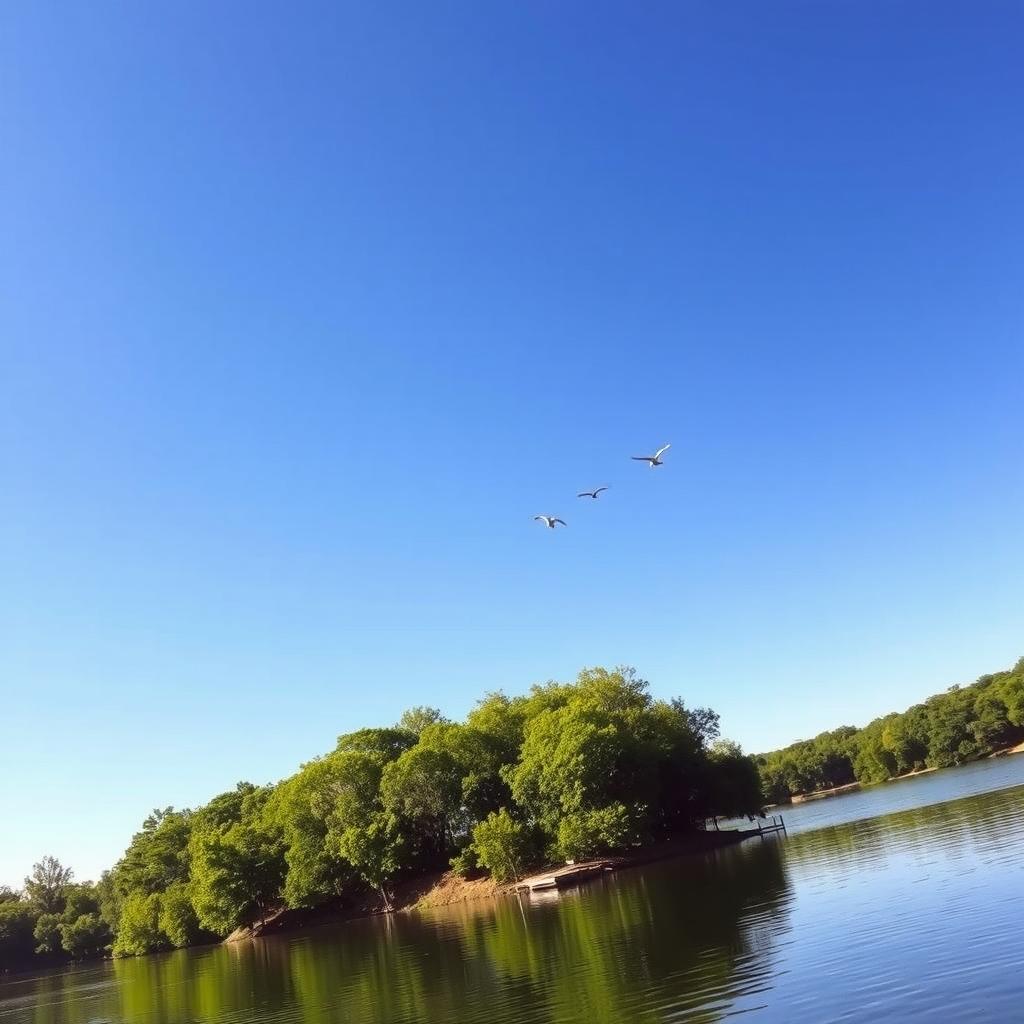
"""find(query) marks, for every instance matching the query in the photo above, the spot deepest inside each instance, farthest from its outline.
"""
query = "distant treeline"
(569, 770)
(962, 724)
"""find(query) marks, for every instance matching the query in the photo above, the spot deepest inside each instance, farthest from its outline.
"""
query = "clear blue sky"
(305, 310)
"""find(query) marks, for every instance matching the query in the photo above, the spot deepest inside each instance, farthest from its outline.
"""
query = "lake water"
(902, 903)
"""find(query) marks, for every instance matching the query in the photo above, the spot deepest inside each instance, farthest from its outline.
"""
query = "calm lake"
(901, 903)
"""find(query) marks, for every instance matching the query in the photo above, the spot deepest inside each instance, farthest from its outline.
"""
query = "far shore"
(853, 787)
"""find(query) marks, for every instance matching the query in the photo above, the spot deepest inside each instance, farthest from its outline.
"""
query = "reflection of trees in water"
(211, 984)
(680, 939)
(671, 935)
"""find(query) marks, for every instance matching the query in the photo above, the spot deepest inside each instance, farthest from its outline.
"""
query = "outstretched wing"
(659, 452)
(562, 521)
(585, 494)
(599, 490)
(540, 519)
(640, 458)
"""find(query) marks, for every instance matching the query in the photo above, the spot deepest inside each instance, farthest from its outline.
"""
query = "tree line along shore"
(962, 724)
(567, 771)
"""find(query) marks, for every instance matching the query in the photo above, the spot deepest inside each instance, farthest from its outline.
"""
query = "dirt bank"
(1019, 749)
(821, 794)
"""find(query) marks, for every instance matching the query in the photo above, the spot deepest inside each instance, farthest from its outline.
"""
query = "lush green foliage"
(959, 725)
(85, 936)
(502, 845)
(45, 886)
(53, 918)
(17, 933)
(139, 926)
(566, 771)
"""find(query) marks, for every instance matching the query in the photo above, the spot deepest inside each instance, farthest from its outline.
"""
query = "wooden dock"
(776, 824)
(571, 874)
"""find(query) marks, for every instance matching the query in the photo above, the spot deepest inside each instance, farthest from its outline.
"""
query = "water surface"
(908, 916)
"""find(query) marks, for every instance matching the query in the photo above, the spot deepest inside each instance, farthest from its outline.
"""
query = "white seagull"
(655, 459)
(591, 494)
(549, 521)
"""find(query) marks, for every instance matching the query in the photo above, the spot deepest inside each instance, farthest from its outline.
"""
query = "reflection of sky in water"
(908, 917)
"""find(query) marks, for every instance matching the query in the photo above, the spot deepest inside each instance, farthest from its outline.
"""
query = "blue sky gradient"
(304, 313)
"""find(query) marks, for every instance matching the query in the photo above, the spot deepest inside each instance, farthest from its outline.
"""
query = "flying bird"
(549, 521)
(655, 459)
(591, 494)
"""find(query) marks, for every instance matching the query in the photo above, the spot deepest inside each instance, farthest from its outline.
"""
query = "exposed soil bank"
(441, 889)
(821, 794)
(1019, 749)
(909, 775)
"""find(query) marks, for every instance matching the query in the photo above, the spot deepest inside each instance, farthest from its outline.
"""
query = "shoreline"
(1006, 751)
(853, 787)
(446, 888)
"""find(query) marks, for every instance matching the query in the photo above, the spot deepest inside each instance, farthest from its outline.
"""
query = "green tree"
(992, 728)
(906, 738)
(502, 720)
(374, 849)
(503, 845)
(139, 930)
(387, 744)
(45, 886)
(157, 856)
(415, 720)
(950, 736)
(874, 762)
(568, 764)
(237, 875)
(108, 900)
(480, 758)
(80, 898)
(734, 786)
(425, 787)
(177, 920)
(302, 808)
(600, 830)
(17, 933)
(47, 934)
(227, 808)
(85, 936)
(1011, 692)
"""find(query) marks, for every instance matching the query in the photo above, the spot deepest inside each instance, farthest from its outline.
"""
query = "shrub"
(587, 833)
(503, 845)
(465, 862)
